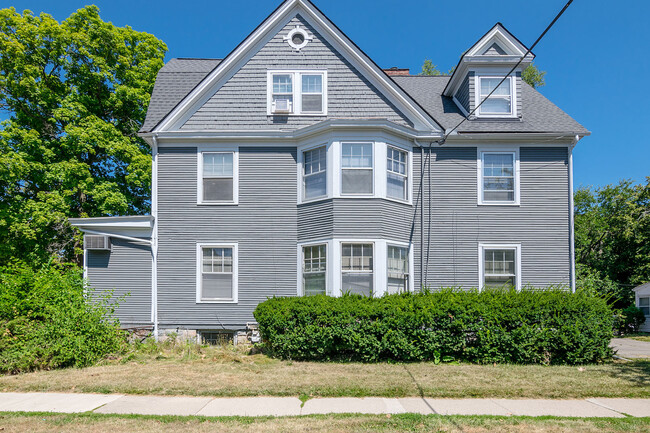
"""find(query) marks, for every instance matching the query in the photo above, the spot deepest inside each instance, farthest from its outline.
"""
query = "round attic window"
(297, 38)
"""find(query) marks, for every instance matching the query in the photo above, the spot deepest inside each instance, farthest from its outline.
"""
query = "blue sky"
(595, 56)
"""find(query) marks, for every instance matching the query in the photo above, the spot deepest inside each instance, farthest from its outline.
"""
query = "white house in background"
(642, 301)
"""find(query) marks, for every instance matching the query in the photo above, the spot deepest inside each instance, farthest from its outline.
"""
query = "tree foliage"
(74, 95)
(612, 235)
(428, 68)
(533, 76)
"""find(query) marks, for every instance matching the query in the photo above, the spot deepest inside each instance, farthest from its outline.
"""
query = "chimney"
(397, 72)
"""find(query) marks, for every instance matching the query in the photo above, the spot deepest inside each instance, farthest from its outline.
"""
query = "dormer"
(481, 69)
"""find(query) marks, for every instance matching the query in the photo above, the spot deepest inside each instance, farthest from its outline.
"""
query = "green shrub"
(504, 326)
(628, 320)
(47, 320)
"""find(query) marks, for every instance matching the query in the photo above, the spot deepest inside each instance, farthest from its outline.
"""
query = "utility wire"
(447, 134)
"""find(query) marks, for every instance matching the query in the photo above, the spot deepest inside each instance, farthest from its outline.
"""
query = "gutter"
(154, 235)
(572, 248)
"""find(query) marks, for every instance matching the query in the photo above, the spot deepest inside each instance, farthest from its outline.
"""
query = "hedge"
(493, 326)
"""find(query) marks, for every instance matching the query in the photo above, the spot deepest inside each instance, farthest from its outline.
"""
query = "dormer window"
(499, 103)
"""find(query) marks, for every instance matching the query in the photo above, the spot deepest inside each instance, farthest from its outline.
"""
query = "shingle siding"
(241, 102)
(464, 95)
(458, 223)
(126, 271)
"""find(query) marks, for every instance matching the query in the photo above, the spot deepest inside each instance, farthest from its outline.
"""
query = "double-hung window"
(357, 169)
(397, 174)
(499, 177)
(282, 93)
(644, 305)
(498, 103)
(314, 269)
(357, 268)
(315, 173)
(217, 273)
(218, 179)
(398, 269)
(312, 93)
(500, 267)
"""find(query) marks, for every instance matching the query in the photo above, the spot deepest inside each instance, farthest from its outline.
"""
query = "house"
(642, 301)
(296, 165)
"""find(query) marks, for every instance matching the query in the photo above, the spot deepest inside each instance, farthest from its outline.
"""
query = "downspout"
(421, 214)
(154, 235)
(572, 248)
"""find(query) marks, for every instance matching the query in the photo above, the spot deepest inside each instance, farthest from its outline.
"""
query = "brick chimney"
(397, 72)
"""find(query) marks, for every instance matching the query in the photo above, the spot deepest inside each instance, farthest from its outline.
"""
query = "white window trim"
(328, 265)
(411, 268)
(374, 147)
(289, 38)
(297, 91)
(409, 191)
(301, 172)
(235, 272)
(479, 175)
(375, 268)
(513, 96)
(235, 174)
(490, 246)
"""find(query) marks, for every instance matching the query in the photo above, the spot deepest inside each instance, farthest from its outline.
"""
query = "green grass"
(229, 372)
(641, 336)
(97, 423)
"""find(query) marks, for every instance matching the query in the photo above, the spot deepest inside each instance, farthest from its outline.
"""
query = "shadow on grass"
(636, 372)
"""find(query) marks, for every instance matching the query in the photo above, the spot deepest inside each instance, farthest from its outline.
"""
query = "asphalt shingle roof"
(179, 76)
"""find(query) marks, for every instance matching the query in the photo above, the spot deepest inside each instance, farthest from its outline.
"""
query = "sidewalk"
(291, 406)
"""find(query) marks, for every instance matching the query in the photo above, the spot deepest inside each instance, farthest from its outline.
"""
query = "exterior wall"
(126, 270)
(264, 225)
(458, 223)
(241, 103)
(465, 93)
(643, 291)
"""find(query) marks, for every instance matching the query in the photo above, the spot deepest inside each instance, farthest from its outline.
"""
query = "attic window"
(500, 102)
(298, 38)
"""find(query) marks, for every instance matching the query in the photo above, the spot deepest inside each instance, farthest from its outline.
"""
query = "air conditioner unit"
(97, 242)
(282, 106)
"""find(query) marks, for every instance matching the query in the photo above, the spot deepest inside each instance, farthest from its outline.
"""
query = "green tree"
(533, 76)
(612, 235)
(428, 68)
(74, 95)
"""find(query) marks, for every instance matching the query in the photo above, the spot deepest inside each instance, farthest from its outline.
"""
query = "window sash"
(314, 269)
(499, 267)
(397, 173)
(644, 305)
(314, 173)
(357, 169)
(503, 182)
(217, 173)
(217, 270)
(503, 93)
(312, 90)
(357, 268)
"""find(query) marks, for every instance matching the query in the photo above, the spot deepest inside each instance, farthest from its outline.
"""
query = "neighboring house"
(296, 166)
(642, 301)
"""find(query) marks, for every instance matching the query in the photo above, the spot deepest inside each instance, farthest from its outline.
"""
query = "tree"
(75, 94)
(533, 76)
(612, 238)
(428, 68)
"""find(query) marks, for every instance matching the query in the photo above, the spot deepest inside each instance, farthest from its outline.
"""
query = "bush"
(628, 320)
(504, 326)
(47, 320)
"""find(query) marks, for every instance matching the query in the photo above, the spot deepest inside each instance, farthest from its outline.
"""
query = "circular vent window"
(297, 38)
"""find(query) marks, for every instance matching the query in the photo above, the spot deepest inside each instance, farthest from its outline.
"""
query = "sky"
(594, 56)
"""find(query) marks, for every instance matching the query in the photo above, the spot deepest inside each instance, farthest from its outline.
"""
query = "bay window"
(357, 268)
(314, 269)
(315, 173)
(397, 177)
(357, 169)
(398, 269)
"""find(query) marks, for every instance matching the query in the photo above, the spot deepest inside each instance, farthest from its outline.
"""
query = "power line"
(447, 134)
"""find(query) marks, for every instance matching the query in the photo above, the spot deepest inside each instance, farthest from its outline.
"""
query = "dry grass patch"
(226, 371)
(93, 423)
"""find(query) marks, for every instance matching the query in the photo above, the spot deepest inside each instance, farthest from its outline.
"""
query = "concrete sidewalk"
(292, 406)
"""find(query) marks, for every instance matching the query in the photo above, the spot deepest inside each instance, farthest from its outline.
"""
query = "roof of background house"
(642, 287)
(179, 76)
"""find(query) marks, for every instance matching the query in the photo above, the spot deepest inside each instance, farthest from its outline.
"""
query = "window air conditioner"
(282, 106)
(97, 243)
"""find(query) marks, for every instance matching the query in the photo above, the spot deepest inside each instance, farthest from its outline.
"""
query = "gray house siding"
(241, 103)
(264, 225)
(126, 271)
(463, 93)
(540, 224)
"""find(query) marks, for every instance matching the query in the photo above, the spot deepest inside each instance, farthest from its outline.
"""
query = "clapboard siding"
(264, 225)
(463, 95)
(241, 102)
(458, 224)
(126, 271)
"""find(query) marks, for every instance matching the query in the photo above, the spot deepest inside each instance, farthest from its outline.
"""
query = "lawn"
(95, 423)
(201, 371)
(642, 336)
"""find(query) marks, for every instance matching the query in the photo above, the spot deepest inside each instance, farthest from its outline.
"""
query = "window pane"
(217, 189)
(315, 160)
(644, 302)
(499, 267)
(358, 155)
(217, 164)
(312, 103)
(397, 285)
(357, 182)
(314, 284)
(488, 84)
(496, 105)
(499, 281)
(498, 164)
(358, 283)
(216, 286)
(396, 186)
(282, 84)
(316, 185)
(312, 83)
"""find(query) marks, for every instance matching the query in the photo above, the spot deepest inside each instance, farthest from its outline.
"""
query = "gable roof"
(235, 60)
(539, 114)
